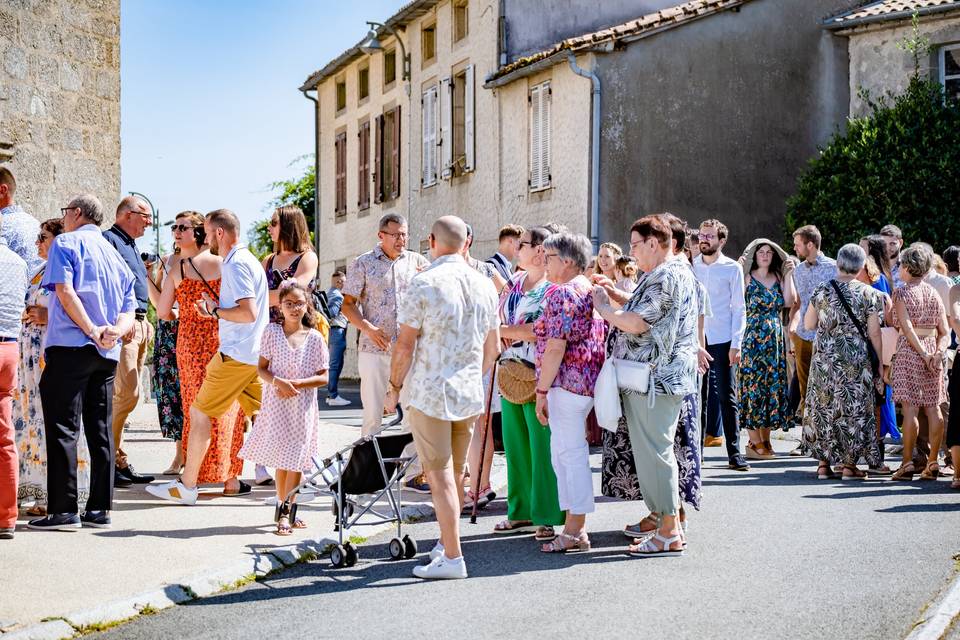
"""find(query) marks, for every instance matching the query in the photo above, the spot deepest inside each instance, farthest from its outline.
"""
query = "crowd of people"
(687, 344)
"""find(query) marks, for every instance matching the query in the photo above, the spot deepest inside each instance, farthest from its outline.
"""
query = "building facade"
(60, 100)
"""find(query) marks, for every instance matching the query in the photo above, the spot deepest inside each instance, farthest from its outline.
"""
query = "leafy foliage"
(898, 165)
(300, 191)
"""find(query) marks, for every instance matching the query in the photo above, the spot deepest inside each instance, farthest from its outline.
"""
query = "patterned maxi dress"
(840, 391)
(197, 342)
(763, 367)
(28, 415)
(166, 377)
(913, 382)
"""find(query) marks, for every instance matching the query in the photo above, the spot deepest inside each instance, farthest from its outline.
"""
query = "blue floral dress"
(166, 376)
(763, 363)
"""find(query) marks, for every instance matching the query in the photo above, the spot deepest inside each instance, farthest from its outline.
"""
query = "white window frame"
(430, 111)
(943, 64)
(539, 100)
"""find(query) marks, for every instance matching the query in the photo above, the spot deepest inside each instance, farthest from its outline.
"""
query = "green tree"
(300, 191)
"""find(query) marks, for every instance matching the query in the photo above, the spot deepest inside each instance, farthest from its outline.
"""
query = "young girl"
(286, 433)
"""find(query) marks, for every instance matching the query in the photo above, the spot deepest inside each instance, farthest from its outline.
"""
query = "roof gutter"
(316, 166)
(594, 229)
(832, 25)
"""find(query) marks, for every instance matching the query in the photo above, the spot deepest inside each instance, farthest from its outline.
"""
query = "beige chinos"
(652, 431)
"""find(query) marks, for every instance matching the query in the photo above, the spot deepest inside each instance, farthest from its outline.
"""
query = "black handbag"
(871, 352)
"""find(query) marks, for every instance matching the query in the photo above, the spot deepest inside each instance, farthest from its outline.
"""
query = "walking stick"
(483, 442)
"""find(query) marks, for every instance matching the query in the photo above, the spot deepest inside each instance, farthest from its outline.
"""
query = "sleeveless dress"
(166, 377)
(913, 383)
(197, 342)
(763, 367)
(275, 277)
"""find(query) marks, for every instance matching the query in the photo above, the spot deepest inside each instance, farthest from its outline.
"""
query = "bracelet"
(215, 312)
(396, 387)
(541, 392)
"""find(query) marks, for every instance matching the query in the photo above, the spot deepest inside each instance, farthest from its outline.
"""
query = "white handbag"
(635, 376)
(606, 397)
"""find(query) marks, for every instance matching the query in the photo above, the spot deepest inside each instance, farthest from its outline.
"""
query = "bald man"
(448, 337)
(133, 219)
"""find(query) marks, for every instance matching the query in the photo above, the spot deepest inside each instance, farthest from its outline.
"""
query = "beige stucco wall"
(60, 100)
(877, 63)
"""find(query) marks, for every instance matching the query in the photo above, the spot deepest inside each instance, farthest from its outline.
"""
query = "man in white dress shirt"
(723, 279)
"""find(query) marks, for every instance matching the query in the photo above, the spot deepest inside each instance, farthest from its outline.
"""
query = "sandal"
(576, 543)
(244, 490)
(932, 472)
(769, 447)
(904, 473)
(824, 472)
(513, 527)
(851, 472)
(283, 526)
(299, 524)
(649, 549)
(37, 511)
(545, 534)
(638, 531)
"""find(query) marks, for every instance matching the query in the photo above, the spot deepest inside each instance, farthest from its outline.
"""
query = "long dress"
(28, 415)
(840, 391)
(913, 382)
(197, 342)
(888, 412)
(166, 376)
(763, 364)
(286, 434)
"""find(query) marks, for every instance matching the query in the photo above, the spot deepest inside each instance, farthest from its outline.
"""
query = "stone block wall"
(60, 100)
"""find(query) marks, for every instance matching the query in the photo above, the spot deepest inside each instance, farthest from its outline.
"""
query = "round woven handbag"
(517, 381)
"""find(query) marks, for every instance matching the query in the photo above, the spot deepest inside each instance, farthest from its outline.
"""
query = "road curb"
(939, 615)
(206, 583)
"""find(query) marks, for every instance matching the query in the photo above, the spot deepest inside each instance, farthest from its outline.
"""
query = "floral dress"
(28, 415)
(763, 364)
(913, 382)
(166, 375)
(840, 391)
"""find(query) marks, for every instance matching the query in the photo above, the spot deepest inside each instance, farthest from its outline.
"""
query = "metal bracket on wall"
(6, 151)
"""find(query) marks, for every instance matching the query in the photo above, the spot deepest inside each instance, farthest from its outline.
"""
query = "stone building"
(60, 100)
(878, 64)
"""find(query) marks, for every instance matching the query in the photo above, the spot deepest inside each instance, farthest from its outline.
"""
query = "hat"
(746, 259)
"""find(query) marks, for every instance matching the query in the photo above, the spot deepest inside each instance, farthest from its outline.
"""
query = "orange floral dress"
(197, 342)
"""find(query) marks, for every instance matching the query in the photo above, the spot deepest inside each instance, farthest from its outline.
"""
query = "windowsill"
(429, 186)
(362, 101)
(363, 213)
(389, 86)
(340, 112)
(339, 218)
(541, 193)
(429, 62)
(461, 41)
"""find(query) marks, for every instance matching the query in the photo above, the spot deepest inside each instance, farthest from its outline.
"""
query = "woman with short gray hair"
(918, 364)
(839, 421)
(568, 356)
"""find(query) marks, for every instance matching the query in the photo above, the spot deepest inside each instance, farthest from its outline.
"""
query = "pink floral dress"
(286, 433)
(913, 383)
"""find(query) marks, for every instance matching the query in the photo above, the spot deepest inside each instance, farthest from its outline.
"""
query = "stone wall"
(60, 100)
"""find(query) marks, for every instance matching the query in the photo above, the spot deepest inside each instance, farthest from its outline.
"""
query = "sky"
(210, 108)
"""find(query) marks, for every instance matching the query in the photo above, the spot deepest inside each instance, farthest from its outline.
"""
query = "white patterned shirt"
(807, 278)
(20, 229)
(454, 307)
(13, 290)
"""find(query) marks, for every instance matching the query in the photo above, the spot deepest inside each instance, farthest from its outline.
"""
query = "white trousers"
(374, 370)
(569, 450)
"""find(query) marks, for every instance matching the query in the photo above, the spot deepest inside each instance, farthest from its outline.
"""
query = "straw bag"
(517, 381)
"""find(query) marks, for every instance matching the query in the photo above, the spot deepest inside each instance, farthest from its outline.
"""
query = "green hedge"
(899, 165)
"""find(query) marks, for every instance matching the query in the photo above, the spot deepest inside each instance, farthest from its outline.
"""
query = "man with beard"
(723, 280)
(893, 237)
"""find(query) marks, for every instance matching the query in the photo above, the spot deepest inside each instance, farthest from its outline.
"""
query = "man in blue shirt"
(93, 307)
(338, 339)
(20, 229)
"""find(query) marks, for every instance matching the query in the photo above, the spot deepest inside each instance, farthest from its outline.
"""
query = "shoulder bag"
(871, 352)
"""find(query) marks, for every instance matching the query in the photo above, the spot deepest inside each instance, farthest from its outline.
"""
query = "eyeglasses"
(274, 223)
(398, 234)
(63, 210)
(42, 237)
(706, 236)
(180, 227)
(551, 255)
(292, 304)
(144, 214)
(528, 244)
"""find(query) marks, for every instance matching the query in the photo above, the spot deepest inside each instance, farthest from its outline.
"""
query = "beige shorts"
(440, 443)
(227, 381)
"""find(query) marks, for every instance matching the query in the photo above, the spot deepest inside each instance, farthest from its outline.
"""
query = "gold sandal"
(931, 475)
(560, 543)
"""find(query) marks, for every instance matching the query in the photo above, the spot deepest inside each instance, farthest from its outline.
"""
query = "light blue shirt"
(101, 279)
(13, 290)
(243, 277)
(20, 229)
(807, 278)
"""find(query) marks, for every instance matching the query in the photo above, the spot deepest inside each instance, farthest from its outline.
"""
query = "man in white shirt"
(723, 280)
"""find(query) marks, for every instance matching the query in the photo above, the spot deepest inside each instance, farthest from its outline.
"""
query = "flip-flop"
(244, 490)
(514, 529)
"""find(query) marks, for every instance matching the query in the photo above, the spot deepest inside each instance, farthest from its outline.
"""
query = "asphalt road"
(774, 553)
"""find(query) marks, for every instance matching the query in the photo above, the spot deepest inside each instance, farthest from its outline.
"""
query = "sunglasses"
(180, 227)
(274, 222)
(42, 237)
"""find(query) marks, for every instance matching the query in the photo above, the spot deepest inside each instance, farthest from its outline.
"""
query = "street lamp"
(371, 45)
(156, 218)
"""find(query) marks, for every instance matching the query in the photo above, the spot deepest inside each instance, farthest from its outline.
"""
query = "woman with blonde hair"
(610, 262)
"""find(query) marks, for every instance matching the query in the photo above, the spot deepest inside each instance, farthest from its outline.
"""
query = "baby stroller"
(357, 477)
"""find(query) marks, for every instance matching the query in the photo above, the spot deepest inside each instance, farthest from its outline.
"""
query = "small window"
(363, 83)
(461, 20)
(428, 43)
(539, 99)
(950, 71)
(340, 265)
(459, 122)
(341, 95)
(340, 167)
(389, 67)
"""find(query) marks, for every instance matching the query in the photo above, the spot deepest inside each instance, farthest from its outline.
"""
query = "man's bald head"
(449, 234)
(132, 203)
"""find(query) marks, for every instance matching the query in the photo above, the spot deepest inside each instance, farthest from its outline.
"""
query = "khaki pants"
(803, 352)
(652, 432)
(126, 387)
(441, 444)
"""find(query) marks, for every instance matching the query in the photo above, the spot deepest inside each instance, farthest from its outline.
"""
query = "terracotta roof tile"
(880, 10)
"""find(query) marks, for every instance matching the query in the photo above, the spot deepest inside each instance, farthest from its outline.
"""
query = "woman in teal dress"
(763, 363)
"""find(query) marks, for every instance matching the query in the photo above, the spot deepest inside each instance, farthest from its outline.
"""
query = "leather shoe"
(119, 480)
(134, 477)
(95, 519)
(739, 463)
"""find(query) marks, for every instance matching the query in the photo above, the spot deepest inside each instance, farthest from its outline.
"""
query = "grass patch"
(236, 584)
(357, 540)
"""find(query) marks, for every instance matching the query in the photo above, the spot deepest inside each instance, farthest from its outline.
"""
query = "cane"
(483, 442)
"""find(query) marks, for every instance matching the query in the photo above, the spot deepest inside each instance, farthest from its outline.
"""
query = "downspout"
(316, 168)
(594, 230)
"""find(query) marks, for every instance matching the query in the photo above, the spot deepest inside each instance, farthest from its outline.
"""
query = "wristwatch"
(541, 392)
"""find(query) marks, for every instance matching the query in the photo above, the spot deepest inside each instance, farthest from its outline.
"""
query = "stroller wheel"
(397, 549)
(352, 554)
(409, 547)
(338, 556)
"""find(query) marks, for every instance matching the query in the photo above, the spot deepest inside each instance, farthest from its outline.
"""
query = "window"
(340, 163)
(340, 265)
(950, 70)
(456, 123)
(341, 95)
(539, 100)
(429, 110)
(363, 83)
(386, 157)
(428, 43)
(363, 166)
(461, 20)
(389, 67)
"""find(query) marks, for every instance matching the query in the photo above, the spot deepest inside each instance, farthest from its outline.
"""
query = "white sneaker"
(174, 491)
(442, 568)
(262, 476)
(338, 401)
(436, 552)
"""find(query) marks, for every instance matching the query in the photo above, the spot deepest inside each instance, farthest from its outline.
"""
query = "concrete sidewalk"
(154, 545)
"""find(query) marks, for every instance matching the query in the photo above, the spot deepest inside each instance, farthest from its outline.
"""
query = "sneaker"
(442, 568)
(418, 484)
(338, 401)
(436, 552)
(174, 491)
(95, 519)
(56, 522)
(262, 476)
(6, 533)
(738, 463)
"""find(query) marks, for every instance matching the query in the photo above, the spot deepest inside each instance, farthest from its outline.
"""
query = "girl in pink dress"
(293, 363)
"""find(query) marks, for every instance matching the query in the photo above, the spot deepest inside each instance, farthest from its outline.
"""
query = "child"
(286, 433)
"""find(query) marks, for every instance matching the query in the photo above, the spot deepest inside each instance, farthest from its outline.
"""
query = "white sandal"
(647, 548)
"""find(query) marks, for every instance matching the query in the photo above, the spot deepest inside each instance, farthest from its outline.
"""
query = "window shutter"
(468, 120)
(540, 137)
(429, 137)
(363, 166)
(378, 161)
(534, 102)
(395, 153)
(446, 128)
(546, 97)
